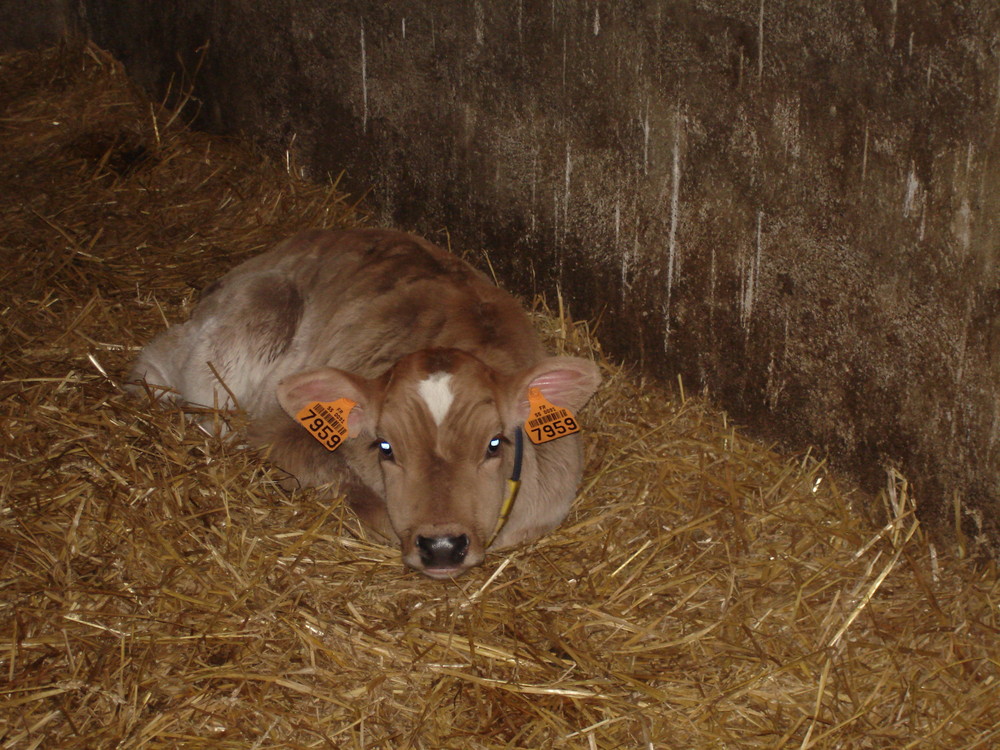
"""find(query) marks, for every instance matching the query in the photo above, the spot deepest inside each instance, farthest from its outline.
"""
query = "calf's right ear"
(325, 385)
(565, 381)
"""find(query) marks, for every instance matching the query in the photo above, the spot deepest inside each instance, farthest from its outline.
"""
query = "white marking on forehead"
(436, 392)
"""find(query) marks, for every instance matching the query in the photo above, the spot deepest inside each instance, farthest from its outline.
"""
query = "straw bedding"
(158, 590)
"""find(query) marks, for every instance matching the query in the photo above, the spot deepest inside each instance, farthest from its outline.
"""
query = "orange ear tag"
(327, 421)
(546, 421)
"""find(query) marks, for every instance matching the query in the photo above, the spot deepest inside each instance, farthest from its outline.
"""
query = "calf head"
(437, 432)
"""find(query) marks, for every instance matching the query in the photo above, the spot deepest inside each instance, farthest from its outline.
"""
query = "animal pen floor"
(158, 590)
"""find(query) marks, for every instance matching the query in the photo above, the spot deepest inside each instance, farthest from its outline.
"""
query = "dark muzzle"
(442, 551)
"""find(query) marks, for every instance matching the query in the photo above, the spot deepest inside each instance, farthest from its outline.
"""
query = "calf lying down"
(429, 367)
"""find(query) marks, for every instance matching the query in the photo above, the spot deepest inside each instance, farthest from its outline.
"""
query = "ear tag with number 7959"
(546, 421)
(327, 421)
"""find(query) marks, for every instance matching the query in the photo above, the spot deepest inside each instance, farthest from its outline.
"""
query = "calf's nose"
(442, 551)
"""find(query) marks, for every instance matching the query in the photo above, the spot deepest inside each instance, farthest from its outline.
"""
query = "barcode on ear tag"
(327, 421)
(546, 421)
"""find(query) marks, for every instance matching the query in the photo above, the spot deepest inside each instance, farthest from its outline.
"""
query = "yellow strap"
(512, 487)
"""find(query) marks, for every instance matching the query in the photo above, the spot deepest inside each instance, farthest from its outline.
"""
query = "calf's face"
(439, 428)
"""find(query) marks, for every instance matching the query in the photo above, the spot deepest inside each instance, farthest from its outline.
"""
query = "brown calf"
(437, 361)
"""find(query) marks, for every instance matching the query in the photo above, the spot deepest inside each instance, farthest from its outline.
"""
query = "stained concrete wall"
(27, 24)
(792, 203)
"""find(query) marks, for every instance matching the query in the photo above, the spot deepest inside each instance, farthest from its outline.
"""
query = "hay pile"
(159, 591)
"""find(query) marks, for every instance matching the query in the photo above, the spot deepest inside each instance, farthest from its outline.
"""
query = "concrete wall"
(27, 24)
(793, 203)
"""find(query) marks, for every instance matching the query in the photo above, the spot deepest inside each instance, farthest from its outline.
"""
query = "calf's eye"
(493, 447)
(385, 450)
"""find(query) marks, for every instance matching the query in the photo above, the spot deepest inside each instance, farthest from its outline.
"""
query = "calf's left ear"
(326, 385)
(565, 381)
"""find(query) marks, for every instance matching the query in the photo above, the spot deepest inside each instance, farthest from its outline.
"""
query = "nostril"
(442, 551)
